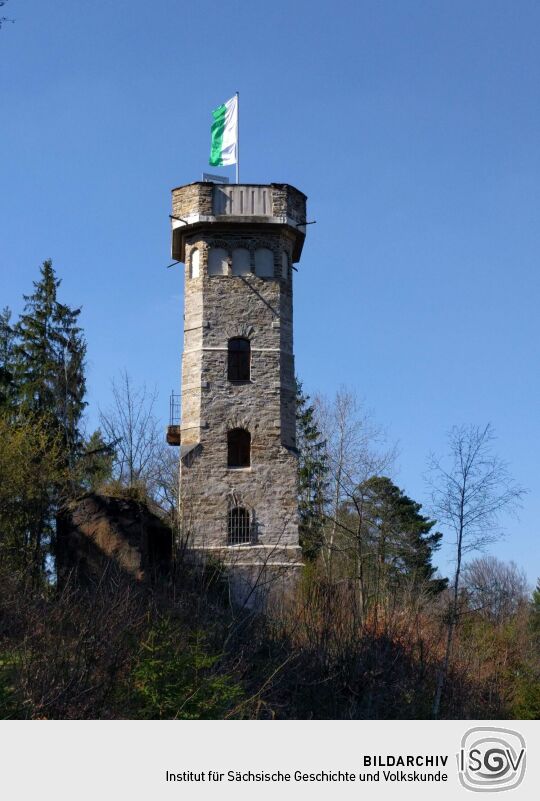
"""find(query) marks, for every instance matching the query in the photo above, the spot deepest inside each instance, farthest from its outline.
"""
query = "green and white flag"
(224, 149)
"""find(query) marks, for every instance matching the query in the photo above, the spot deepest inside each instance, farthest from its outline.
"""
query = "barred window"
(238, 448)
(238, 528)
(239, 359)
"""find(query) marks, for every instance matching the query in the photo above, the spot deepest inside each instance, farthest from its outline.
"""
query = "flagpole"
(237, 137)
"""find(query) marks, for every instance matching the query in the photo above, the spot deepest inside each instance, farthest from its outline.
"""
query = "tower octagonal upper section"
(234, 208)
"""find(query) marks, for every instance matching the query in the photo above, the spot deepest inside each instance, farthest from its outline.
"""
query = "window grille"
(239, 527)
(238, 448)
(239, 359)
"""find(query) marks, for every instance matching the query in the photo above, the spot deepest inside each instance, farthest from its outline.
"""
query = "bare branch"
(469, 496)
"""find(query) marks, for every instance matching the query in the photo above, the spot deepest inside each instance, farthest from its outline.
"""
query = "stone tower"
(238, 474)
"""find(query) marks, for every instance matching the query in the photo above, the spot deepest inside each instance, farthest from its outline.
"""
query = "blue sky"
(414, 129)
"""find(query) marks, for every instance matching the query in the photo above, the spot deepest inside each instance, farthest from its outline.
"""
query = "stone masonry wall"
(197, 198)
(193, 199)
(217, 308)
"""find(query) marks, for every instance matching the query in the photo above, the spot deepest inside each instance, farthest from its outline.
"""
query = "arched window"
(264, 263)
(194, 263)
(241, 264)
(238, 448)
(239, 359)
(284, 266)
(217, 261)
(238, 526)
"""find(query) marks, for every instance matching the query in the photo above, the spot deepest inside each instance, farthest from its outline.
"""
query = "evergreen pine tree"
(48, 352)
(49, 360)
(312, 475)
(398, 536)
(7, 346)
(96, 463)
(535, 612)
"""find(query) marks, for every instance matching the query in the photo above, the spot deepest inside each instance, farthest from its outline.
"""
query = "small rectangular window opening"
(239, 359)
(238, 528)
(238, 448)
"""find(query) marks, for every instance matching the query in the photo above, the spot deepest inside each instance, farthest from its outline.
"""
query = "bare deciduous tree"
(165, 486)
(495, 589)
(468, 495)
(131, 425)
(355, 452)
(142, 458)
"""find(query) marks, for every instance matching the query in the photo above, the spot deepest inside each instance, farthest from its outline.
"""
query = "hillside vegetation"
(374, 630)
